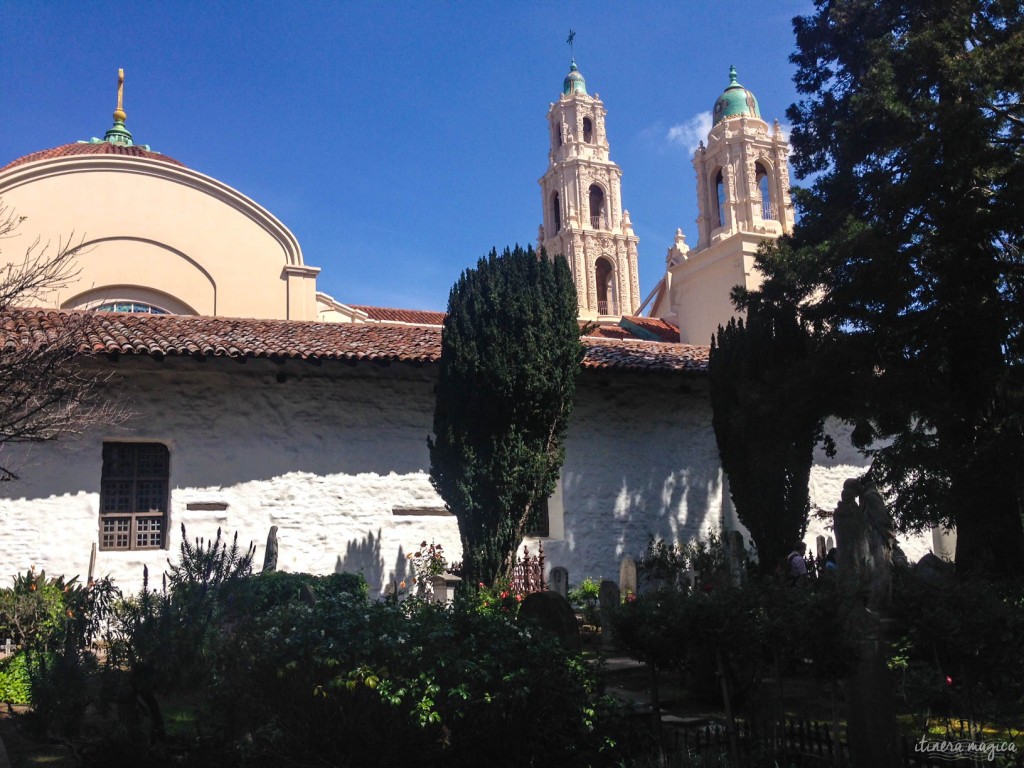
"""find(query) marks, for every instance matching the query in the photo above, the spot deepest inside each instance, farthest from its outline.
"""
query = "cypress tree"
(510, 354)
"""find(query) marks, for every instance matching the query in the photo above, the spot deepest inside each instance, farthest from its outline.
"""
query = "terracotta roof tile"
(87, 148)
(411, 316)
(653, 328)
(194, 336)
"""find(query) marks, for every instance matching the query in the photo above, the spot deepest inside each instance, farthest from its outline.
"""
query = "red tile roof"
(663, 330)
(194, 336)
(412, 316)
(608, 332)
(86, 148)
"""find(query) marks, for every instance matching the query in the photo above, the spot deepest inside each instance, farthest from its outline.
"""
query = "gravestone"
(627, 577)
(552, 613)
(608, 602)
(737, 553)
(270, 556)
(443, 587)
(558, 581)
(864, 557)
(820, 548)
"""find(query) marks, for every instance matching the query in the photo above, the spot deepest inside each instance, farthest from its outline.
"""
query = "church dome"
(574, 82)
(736, 101)
(92, 148)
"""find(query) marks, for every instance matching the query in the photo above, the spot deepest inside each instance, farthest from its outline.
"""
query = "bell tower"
(742, 199)
(584, 220)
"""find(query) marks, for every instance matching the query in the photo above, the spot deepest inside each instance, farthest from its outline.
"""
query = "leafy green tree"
(767, 415)
(908, 250)
(510, 354)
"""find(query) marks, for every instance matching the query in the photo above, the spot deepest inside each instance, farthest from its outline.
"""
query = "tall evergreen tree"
(768, 415)
(510, 354)
(909, 250)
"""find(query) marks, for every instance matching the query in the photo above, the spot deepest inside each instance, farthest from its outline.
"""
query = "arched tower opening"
(604, 273)
(556, 212)
(598, 220)
(719, 216)
(588, 130)
(769, 210)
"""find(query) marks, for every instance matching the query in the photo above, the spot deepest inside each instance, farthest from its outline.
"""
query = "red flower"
(949, 680)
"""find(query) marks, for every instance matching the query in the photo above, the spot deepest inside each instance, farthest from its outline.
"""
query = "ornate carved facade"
(742, 198)
(581, 193)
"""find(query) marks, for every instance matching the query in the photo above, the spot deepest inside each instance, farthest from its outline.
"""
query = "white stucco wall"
(336, 457)
(327, 456)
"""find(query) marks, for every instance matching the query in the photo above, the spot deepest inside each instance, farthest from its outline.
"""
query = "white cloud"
(689, 134)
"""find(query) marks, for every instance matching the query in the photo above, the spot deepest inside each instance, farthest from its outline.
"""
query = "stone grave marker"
(608, 601)
(558, 581)
(627, 577)
(552, 612)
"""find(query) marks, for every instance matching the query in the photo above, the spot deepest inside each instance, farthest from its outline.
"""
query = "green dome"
(736, 101)
(574, 82)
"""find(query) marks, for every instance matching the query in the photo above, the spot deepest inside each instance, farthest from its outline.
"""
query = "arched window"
(720, 198)
(606, 298)
(130, 306)
(558, 134)
(597, 217)
(767, 206)
(556, 211)
(588, 130)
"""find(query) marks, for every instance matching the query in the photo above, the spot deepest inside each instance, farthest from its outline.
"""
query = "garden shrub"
(15, 681)
(347, 682)
(585, 598)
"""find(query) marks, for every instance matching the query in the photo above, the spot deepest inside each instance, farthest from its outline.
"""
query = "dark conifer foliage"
(510, 354)
(767, 421)
(908, 250)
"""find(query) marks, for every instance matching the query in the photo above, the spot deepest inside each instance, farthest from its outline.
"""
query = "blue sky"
(399, 141)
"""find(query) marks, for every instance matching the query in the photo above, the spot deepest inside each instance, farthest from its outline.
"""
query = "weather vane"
(572, 36)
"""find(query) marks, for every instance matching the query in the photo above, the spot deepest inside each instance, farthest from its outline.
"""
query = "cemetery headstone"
(270, 556)
(737, 552)
(558, 581)
(552, 612)
(863, 549)
(608, 602)
(627, 577)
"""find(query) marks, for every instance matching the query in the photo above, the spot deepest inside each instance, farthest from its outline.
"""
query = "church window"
(597, 217)
(588, 130)
(767, 206)
(133, 496)
(558, 134)
(606, 300)
(556, 211)
(720, 198)
(130, 306)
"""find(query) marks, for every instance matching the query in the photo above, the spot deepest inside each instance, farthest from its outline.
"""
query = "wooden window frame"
(133, 529)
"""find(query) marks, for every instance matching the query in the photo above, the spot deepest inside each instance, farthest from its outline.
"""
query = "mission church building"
(256, 400)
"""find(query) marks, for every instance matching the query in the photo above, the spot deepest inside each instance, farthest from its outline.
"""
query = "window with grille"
(133, 496)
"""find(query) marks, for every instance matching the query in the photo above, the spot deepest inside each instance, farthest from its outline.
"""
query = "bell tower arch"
(584, 220)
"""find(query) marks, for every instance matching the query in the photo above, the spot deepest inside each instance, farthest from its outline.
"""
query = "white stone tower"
(584, 220)
(742, 199)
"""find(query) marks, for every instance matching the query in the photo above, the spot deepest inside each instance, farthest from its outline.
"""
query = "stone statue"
(270, 556)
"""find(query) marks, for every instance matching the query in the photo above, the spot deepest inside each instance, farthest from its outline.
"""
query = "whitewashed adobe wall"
(336, 457)
(329, 456)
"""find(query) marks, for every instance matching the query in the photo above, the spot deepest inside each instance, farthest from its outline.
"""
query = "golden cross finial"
(119, 113)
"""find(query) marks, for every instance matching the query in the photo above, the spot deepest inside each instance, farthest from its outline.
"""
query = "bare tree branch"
(45, 391)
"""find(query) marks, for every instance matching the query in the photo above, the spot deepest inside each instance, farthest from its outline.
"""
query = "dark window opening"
(588, 130)
(597, 217)
(604, 273)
